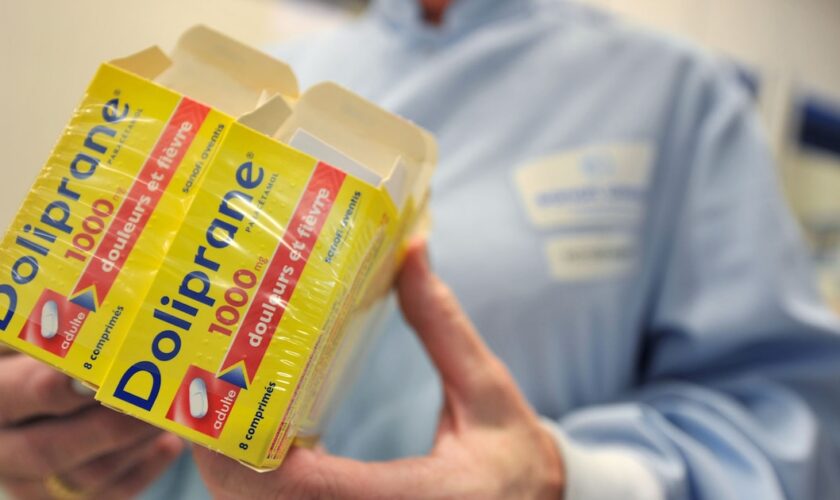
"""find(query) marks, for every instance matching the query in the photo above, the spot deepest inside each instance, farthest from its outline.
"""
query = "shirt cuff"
(603, 471)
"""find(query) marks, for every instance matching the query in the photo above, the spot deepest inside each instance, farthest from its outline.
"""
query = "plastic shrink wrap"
(210, 249)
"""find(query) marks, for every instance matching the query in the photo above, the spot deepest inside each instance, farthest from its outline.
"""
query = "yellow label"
(255, 284)
(93, 230)
(201, 274)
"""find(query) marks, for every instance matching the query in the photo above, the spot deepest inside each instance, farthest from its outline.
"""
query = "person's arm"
(740, 379)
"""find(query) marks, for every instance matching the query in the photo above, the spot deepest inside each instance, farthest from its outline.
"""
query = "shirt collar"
(459, 17)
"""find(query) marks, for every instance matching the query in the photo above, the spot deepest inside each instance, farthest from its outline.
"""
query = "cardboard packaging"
(210, 275)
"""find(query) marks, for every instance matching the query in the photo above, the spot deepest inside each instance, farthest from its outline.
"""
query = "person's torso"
(549, 119)
(558, 184)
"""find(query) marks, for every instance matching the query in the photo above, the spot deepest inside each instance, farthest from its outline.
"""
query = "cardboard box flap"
(379, 141)
(268, 117)
(252, 67)
(148, 63)
(217, 70)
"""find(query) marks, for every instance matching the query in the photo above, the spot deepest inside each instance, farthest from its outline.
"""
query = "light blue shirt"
(607, 211)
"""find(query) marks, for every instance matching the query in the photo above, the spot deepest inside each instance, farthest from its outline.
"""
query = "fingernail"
(81, 389)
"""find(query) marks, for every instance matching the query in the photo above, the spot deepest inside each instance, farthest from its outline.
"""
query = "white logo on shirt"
(603, 188)
(596, 185)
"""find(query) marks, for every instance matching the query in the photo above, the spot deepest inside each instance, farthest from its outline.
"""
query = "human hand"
(56, 442)
(489, 442)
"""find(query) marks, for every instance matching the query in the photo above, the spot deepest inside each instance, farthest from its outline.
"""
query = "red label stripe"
(140, 201)
(252, 338)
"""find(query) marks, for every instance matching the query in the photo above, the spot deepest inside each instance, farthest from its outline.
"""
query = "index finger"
(451, 340)
(29, 389)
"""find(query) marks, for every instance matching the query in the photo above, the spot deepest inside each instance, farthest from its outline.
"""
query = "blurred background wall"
(788, 51)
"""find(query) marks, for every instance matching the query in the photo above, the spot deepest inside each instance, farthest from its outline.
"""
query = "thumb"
(453, 344)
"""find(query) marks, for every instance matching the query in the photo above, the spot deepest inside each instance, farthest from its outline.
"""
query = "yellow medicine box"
(213, 275)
